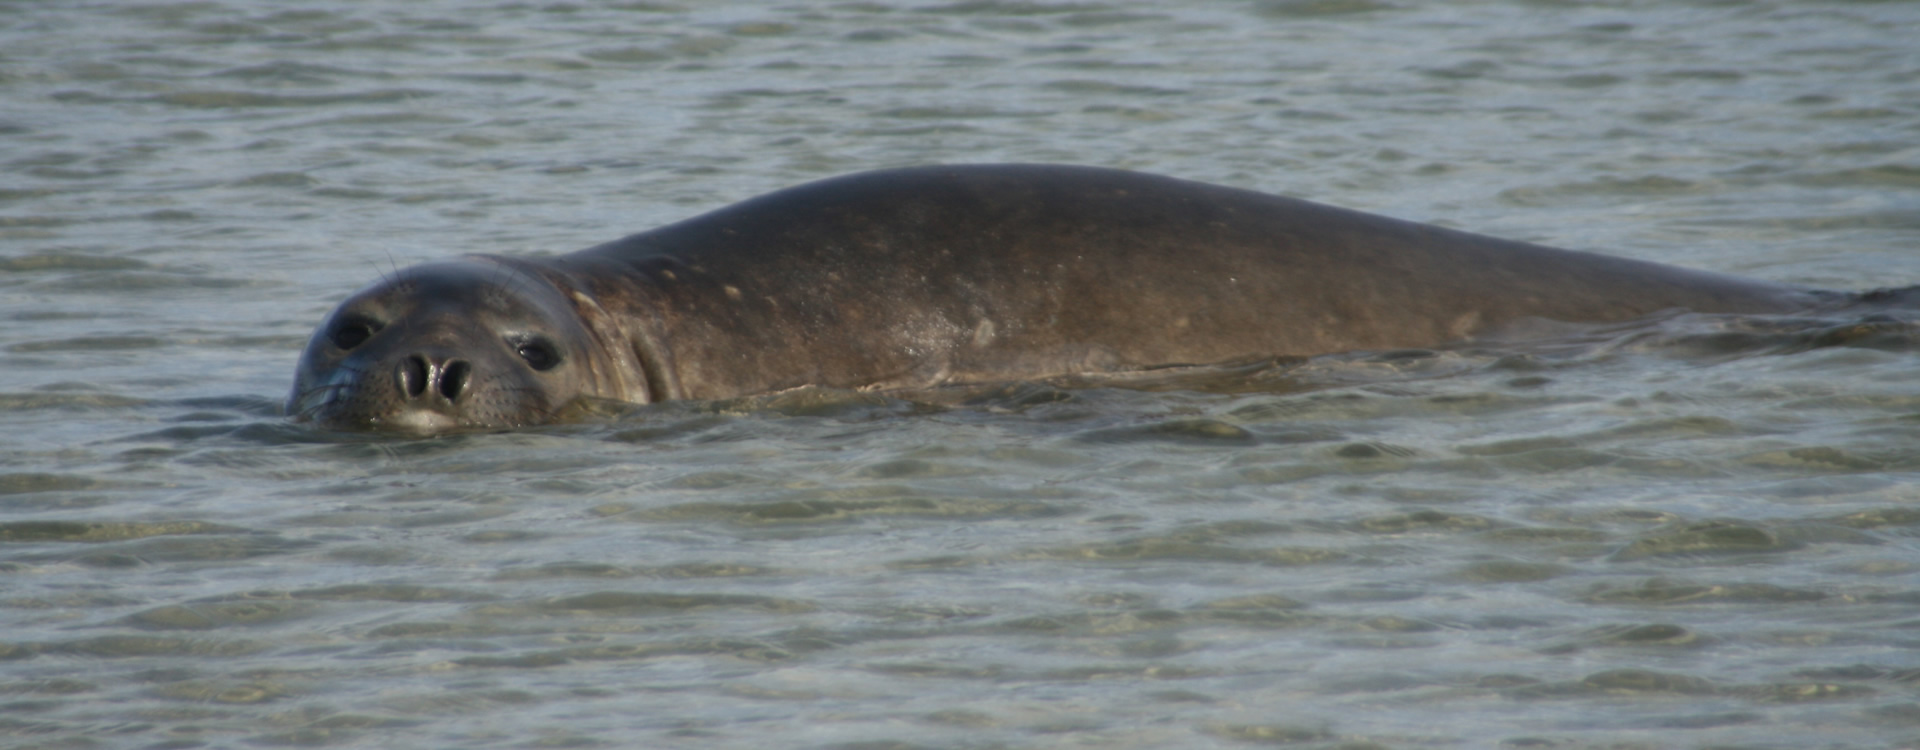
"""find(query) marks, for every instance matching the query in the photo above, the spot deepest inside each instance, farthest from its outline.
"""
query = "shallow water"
(1702, 533)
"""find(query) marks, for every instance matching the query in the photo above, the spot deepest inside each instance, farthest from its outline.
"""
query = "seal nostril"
(453, 378)
(412, 375)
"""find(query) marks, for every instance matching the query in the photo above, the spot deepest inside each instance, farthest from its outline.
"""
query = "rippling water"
(1699, 535)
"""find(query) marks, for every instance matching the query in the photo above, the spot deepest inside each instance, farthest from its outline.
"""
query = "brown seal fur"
(924, 276)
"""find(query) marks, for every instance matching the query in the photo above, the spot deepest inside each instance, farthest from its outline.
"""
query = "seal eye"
(539, 353)
(353, 332)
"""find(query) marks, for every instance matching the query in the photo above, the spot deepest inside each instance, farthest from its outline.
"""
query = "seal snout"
(433, 379)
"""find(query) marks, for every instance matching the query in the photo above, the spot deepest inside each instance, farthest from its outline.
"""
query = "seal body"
(925, 276)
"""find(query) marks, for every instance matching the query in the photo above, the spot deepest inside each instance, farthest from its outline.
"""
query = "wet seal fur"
(918, 277)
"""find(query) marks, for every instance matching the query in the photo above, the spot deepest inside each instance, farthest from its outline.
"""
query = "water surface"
(1700, 534)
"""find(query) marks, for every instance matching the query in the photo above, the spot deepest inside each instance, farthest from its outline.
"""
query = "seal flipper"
(1902, 297)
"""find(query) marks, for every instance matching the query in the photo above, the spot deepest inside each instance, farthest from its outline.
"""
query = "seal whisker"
(387, 275)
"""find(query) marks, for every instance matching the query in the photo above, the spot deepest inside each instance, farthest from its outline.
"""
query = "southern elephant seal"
(917, 277)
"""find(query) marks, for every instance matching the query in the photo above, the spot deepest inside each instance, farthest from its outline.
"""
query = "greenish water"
(1701, 534)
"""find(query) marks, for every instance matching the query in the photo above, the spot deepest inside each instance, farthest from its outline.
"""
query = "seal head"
(477, 342)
